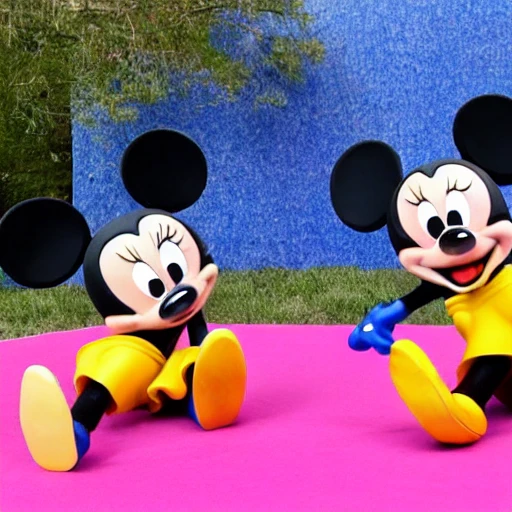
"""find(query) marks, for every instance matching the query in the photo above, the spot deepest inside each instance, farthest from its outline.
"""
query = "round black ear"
(43, 242)
(482, 131)
(164, 169)
(363, 182)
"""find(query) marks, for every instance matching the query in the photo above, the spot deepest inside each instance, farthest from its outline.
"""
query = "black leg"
(189, 378)
(91, 405)
(484, 377)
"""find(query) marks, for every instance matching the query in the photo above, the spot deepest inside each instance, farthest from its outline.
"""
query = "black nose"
(457, 241)
(178, 301)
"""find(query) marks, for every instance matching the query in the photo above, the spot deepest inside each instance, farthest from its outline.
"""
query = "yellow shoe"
(219, 381)
(46, 421)
(448, 418)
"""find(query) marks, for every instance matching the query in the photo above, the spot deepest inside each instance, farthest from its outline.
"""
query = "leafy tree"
(68, 58)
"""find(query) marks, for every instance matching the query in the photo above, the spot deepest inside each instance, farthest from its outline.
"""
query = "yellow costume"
(484, 319)
(137, 375)
(134, 371)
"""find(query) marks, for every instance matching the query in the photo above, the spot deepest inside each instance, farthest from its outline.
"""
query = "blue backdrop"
(394, 70)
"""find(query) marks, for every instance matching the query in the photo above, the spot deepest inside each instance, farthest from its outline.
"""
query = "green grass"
(276, 296)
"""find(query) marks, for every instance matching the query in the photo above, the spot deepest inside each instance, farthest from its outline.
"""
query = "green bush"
(69, 52)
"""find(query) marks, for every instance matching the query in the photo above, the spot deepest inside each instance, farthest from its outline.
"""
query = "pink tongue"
(467, 274)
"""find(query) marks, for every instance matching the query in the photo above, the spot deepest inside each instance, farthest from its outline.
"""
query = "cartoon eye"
(430, 220)
(458, 209)
(173, 260)
(147, 281)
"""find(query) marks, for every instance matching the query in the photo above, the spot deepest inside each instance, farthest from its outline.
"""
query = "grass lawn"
(275, 296)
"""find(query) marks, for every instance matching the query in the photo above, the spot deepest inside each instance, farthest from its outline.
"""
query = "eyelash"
(160, 238)
(420, 198)
(454, 187)
(133, 253)
(450, 188)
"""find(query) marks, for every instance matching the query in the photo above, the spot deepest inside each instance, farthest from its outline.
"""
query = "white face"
(429, 208)
(140, 270)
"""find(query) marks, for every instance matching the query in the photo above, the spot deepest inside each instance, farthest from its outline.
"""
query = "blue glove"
(376, 330)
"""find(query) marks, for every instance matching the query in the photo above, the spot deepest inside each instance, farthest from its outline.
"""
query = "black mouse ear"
(164, 169)
(43, 242)
(482, 131)
(363, 182)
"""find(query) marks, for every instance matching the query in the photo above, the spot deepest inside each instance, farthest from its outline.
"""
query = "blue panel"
(396, 71)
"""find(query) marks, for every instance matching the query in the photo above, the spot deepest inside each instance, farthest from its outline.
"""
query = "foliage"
(114, 54)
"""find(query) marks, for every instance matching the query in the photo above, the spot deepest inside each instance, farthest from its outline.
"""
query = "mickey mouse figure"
(149, 275)
(450, 227)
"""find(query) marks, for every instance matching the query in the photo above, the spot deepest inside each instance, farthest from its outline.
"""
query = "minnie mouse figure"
(450, 227)
(149, 275)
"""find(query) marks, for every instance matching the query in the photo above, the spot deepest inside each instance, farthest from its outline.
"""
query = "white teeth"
(178, 296)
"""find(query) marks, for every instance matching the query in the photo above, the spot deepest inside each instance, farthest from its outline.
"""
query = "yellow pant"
(135, 373)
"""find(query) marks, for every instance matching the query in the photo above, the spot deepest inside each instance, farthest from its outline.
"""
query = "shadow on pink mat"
(322, 429)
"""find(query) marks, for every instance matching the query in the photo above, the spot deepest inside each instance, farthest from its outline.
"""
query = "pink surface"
(322, 429)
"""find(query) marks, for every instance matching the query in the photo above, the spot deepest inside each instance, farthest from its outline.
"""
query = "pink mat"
(322, 429)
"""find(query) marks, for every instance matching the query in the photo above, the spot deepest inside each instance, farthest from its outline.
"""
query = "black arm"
(422, 295)
(197, 329)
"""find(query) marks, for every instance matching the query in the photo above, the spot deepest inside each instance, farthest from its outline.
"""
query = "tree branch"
(131, 25)
(257, 33)
(218, 7)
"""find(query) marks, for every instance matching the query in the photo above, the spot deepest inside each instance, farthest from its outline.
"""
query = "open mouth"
(465, 275)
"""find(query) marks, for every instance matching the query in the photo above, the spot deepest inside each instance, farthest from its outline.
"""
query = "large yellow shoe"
(449, 418)
(46, 421)
(219, 382)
